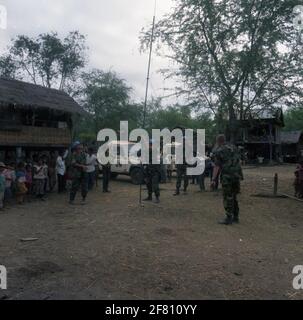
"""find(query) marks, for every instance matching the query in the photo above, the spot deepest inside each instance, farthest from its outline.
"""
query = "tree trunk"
(232, 123)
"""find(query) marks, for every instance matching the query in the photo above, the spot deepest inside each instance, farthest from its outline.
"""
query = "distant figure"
(46, 171)
(152, 174)
(227, 160)
(2, 184)
(215, 181)
(201, 181)
(10, 178)
(60, 170)
(39, 179)
(29, 178)
(298, 184)
(209, 168)
(106, 174)
(181, 175)
(21, 189)
(91, 162)
(163, 177)
(169, 172)
(78, 173)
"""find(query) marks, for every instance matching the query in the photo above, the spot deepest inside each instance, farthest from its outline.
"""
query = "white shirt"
(91, 162)
(41, 172)
(60, 166)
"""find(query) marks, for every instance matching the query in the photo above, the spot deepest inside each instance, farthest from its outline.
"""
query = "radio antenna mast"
(149, 65)
(147, 84)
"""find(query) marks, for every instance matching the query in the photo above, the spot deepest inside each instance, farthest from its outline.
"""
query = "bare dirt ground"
(114, 249)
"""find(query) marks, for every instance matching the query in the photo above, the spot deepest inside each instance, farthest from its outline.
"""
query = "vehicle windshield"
(121, 149)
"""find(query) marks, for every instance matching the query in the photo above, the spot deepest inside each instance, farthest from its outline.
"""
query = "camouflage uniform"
(79, 177)
(181, 173)
(201, 178)
(228, 159)
(152, 174)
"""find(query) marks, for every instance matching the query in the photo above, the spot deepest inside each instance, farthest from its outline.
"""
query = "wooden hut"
(260, 135)
(34, 118)
(292, 145)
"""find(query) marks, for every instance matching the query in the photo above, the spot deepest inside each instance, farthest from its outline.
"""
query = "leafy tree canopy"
(106, 97)
(294, 119)
(46, 60)
(233, 55)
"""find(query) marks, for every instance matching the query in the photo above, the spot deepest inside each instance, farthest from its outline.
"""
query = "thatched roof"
(291, 137)
(27, 95)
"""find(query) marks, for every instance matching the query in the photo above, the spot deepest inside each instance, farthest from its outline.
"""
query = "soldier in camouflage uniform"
(181, 175)
(227, 160)
(78, 173)
(182, 172)
(152, 174)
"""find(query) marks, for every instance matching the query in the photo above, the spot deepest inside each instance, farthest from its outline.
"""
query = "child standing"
(2, 184)
(45, 171)
(39, 179)
(29, 178)
(10, 177)
(21, 189)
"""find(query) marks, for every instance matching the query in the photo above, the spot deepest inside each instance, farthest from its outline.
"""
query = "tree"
(106, 97)
(46, 60)
(233, 55)
(8, 68)
(170, 117)
(294, 119)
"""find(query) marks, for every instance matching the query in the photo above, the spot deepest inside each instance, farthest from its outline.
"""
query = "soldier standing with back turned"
(227, 161)
(182, 174)
(79, 174)
(152, 174)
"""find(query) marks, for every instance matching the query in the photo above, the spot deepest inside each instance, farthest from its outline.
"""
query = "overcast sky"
(112, 28)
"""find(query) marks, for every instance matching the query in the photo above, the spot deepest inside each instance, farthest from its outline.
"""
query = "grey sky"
(112, 28)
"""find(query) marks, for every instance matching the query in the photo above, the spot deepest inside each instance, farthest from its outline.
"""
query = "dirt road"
(112, 248)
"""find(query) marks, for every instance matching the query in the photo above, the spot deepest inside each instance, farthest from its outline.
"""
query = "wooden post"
(276, 185)
(270, 144)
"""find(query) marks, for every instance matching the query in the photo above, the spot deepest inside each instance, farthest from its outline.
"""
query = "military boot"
(236, 214)
(236, 219)
(149, 198)
(177, 193)
(157, 200)
(227, 221)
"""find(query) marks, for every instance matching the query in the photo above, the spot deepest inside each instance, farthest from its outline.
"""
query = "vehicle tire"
(136, 176)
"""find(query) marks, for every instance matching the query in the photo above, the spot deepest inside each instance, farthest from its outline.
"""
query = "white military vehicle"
(128, 162)
(126, 151)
